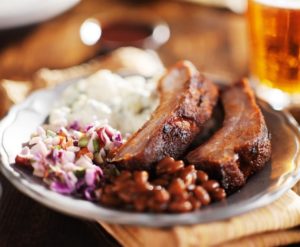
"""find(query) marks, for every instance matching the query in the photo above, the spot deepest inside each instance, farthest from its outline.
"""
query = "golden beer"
(275, 43)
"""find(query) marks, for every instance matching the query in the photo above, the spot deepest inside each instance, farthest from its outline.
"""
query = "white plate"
(280, 174)
(16, 13)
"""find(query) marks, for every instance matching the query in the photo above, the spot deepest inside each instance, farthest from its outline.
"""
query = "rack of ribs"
(186, 103)
(241, 146)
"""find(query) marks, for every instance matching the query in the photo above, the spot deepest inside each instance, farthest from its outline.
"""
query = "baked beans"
(173, 187)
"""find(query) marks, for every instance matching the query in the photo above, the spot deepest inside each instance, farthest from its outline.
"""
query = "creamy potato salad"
(125, 103)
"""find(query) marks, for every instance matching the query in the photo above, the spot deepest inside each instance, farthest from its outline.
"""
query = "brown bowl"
(137, 28)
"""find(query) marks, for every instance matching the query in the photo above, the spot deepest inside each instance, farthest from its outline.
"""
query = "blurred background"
(35, 35)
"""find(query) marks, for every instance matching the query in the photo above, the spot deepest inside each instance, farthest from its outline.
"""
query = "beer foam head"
(285, 4)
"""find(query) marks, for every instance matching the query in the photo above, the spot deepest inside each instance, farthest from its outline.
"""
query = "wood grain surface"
(257, 226)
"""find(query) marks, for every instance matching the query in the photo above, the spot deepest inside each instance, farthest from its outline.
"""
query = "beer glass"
(274, 34)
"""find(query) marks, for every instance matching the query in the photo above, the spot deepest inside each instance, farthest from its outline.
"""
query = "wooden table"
(214, 39)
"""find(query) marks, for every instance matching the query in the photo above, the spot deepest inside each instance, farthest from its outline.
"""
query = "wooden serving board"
(267, 226)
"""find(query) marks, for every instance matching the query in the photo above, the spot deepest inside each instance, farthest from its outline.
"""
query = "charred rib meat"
(242, 146)
(187, 102)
